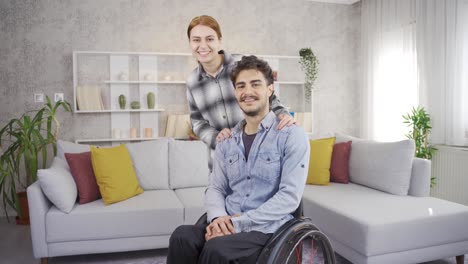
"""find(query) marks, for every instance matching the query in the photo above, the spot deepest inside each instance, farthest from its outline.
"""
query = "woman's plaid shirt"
(212, 102)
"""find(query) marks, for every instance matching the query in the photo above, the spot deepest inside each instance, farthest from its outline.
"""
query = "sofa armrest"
(420, 184)
(39, 205)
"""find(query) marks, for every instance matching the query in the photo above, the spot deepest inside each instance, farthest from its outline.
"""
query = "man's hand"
(221, 226)
(223, 135)
(285, 120)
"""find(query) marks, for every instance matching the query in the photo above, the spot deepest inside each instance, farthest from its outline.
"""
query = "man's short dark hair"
(253, 63)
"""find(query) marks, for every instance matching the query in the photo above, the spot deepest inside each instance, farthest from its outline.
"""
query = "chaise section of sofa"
(368, 225)
(173, 196)
(371, 226)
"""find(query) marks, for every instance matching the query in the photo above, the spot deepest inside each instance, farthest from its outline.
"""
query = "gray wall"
(37, 39)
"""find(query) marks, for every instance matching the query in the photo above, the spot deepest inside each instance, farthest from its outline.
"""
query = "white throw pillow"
(150, 163)
(385, 166)
(58, 185)
(188, 164)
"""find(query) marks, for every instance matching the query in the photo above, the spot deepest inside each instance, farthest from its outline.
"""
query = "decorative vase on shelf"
(148, 77)
(122, 101)
(151, 98)
(135, 105)
(123, 76)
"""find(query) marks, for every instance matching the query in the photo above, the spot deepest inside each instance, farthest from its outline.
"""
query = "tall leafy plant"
(420, 123)
(24, 143)
(309, 64)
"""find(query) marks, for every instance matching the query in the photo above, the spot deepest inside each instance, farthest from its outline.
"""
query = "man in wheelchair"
(257, 182)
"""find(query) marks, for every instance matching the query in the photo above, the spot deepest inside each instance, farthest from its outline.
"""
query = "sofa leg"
(46, 260)
(460, 259)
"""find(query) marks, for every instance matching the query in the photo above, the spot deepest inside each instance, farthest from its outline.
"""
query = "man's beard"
(256, 111)
(252, 112)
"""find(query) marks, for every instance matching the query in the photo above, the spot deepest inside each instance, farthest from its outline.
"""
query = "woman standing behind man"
(210, 92)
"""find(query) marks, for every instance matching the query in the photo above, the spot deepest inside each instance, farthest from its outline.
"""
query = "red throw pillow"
(339, 169)
(82, 171)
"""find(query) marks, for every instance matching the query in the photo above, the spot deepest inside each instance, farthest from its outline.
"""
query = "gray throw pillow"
(149, 160)
(188, 164)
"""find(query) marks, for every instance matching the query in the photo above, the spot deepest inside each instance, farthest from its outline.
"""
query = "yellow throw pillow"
(320, 161)
(114, 172)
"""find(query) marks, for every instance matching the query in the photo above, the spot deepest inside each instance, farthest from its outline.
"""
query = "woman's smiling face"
(205, 43)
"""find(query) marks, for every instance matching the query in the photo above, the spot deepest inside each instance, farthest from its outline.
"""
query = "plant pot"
(23, 205)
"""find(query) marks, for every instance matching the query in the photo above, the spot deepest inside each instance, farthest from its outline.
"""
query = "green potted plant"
(24, 143)
(420, 123)
(309, 64)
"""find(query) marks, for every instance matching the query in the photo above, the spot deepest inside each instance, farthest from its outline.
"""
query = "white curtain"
(442, 45)
(415, 53)
(390, 72)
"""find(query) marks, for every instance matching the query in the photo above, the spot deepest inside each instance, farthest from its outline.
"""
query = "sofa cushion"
(384, 166)
(83, 174)
(188, 164)
(150, 160)
(155, 212)
(320, 160)
(193, 201)
(420, 178)
(114, 174)
(58, 185)
(373, 222)
(69, 147)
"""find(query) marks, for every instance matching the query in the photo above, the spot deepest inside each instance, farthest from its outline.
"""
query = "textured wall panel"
(37, 38)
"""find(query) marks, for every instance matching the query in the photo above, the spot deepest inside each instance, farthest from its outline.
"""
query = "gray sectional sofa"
(372, 220)
(364, 223)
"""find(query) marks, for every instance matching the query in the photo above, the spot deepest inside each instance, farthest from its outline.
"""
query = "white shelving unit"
(135, 74)
(144, 82)
(113, 140)
(132, 74)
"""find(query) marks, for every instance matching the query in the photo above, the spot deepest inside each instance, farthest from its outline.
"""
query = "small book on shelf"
(304, 119)
(89, 98)
(178, 126)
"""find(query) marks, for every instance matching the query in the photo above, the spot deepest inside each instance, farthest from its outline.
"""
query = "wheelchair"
(285, 245)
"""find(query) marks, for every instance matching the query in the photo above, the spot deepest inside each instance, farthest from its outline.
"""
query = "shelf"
(281, 82)
(144, 82)
(132, 53)
(113, 140)
(183, 82)
(135, 74)
(85, 52)
(119, 111)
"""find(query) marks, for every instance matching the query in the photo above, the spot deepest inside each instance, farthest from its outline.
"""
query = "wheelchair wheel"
(286, 247)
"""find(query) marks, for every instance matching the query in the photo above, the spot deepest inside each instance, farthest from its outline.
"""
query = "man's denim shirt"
(266, 189)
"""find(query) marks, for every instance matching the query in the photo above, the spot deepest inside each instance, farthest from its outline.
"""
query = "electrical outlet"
(38, 97)
(58, 97)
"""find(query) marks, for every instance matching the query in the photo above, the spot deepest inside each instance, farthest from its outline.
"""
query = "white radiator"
(450, 167)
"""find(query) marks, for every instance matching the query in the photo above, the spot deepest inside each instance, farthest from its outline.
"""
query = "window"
(395, 86)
